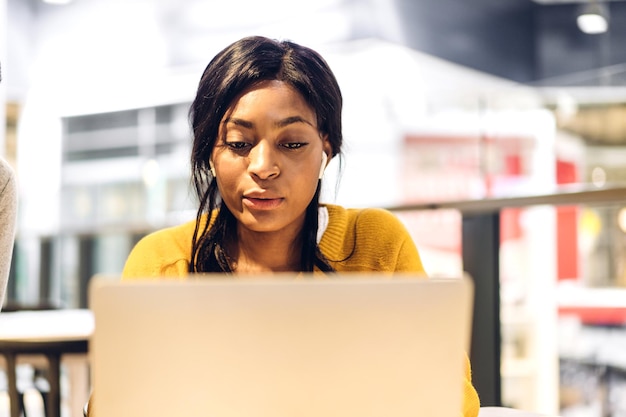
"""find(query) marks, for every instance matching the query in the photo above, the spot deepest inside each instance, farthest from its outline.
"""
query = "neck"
(265, 252)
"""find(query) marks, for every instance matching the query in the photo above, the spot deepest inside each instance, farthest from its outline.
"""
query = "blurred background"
(445, 100)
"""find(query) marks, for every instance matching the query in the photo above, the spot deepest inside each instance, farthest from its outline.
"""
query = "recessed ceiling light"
(593, 18)
(592, 24)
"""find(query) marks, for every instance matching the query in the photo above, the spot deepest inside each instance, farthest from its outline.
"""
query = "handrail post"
(481, 246)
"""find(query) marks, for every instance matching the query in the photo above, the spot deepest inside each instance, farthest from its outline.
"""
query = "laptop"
(280, 346)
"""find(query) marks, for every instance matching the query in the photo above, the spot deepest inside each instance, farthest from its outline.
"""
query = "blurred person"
(8, 215)
(266, 120)
(8, 219)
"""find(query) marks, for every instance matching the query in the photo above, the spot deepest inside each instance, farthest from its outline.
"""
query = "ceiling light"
(57, 2)
(593, 19)
(592, 24)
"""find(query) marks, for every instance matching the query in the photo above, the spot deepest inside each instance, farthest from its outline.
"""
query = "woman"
(266, 120)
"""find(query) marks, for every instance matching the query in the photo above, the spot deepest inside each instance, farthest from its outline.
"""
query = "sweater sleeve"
(164, 253)
(392, 240)
(471, 402)
(8, 216)
(408, 256)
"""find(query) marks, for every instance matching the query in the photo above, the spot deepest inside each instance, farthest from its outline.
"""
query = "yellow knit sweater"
(354, 240)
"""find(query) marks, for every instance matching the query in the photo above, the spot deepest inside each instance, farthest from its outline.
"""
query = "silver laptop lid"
(355, 345)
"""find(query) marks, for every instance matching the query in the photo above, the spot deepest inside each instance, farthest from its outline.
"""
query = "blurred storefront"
(106, 162)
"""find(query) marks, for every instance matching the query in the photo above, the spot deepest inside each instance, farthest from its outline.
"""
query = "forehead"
(271, 99)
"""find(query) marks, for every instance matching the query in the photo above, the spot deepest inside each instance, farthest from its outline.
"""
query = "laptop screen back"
(361, 345)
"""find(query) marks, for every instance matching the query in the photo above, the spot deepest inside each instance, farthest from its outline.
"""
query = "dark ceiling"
(527, 41)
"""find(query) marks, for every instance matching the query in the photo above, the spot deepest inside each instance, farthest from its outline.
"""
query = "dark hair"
(232, 71)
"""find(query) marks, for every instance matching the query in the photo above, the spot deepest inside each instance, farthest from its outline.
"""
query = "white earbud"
(212, 168)
(323, 167)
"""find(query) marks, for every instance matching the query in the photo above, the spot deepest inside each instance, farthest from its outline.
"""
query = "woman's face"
(267, 158)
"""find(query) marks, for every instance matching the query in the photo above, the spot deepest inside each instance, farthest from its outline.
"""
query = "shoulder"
(8, 201)
(362, 218)
(7, 180)
(169, 237)
(368, 239)
(163, 252)
(6, 171)
(8, 221)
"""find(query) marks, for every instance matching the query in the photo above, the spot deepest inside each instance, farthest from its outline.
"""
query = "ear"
(323, 165)
(327, 153)
(212, 168)
(327, 147)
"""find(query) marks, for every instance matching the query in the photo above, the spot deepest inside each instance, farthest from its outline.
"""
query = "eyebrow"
(280, 123)
(291, 120)
(239, 122)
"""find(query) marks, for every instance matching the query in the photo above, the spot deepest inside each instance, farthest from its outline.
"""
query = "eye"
(294, 145)
(238, 145)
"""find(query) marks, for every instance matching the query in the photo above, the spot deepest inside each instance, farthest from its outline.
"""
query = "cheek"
(307, 184)
(227, 180)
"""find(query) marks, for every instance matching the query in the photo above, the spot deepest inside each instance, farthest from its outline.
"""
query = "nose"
(262, 162)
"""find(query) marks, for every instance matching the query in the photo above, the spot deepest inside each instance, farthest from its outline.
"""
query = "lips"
(262, 201)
